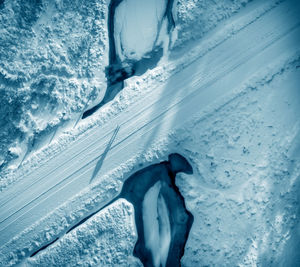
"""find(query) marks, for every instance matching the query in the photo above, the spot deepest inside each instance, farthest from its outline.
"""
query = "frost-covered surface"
(135, 89)
(52, 59)
(244, 193)
(193, 19)
(53, 55)
(107, 239)
(137, 23)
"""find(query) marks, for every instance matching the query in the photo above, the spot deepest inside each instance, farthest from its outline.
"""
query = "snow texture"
(134, 90)
(107, 239)
(245, 148)
(53, 56)
(194, 19)
(245, 193)
(52, 60)
(246, 176)
(136, 27)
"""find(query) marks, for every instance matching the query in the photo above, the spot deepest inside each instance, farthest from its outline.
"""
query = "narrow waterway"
(122, 67)
(162, 221)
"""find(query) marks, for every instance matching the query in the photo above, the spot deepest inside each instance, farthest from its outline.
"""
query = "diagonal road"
(169, 106)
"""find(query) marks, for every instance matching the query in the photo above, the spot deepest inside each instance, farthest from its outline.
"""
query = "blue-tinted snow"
(136, 26)
(244, 194)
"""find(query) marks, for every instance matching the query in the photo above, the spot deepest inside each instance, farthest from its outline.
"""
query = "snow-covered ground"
(52, 60)
(245, 194)
(94, 243)
(226, 96)
(136, 26)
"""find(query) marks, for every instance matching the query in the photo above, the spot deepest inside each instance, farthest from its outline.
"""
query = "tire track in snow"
(212, 81)
(236, 29)
(191, 96)
(84, 138)
(88, 147)
(160, 115)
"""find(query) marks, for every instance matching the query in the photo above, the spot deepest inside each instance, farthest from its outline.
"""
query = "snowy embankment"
(53, 56)
(94, 243)
(52, 60)
(233, 114)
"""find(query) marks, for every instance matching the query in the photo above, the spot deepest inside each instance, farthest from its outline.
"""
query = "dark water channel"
(118, 71)
(179, 220)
